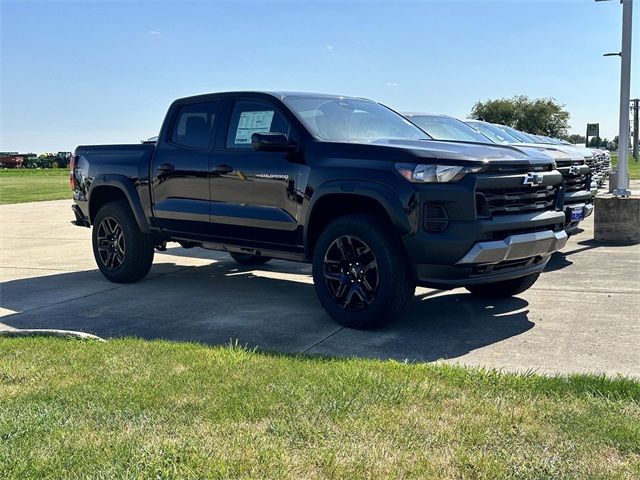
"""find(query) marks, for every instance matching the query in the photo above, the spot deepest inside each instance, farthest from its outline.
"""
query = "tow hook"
(162, 247)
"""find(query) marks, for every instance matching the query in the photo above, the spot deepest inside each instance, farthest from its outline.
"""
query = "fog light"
(435, 218)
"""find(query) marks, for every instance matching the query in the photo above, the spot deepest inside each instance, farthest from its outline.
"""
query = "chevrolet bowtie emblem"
(533, 179)
(573, 170)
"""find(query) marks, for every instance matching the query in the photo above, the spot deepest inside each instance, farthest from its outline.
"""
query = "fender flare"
(127, 187)
(383, 194)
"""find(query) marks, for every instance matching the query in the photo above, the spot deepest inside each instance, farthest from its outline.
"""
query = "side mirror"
(272, 142)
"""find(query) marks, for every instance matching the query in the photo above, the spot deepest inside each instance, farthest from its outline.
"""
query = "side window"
(193, 125)
(253, 117)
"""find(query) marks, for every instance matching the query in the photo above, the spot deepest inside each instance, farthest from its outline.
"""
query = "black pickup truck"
(346, 184)
(578, 197)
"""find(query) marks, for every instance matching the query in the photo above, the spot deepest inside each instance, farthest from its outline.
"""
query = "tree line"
(539, 116)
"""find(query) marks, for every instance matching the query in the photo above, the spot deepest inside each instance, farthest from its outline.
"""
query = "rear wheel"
(506, 288)
(248, 259)
(361, 274)
(123, 253)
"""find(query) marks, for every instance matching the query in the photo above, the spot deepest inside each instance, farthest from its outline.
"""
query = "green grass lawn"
(33, 185)
(634, 167)
(138, 409)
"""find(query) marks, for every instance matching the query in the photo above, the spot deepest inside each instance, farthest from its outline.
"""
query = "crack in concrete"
(322, 340)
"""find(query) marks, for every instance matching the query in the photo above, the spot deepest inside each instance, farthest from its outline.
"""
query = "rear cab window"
(194, 124)
(249, 117)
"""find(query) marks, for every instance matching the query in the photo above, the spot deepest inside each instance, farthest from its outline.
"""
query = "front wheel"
(123, 253)
(360, 272)
(505, 288)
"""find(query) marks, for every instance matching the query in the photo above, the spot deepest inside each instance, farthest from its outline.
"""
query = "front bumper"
(485, 251)
(588, 210)
(450, 246)
(447, 277)
(577, 197)
(484, 245)
(515, 247)
(571, 226)
(581, 199)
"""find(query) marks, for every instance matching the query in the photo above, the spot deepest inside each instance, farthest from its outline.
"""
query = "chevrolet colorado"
(580, 189)
(346, 184)
(595, 166)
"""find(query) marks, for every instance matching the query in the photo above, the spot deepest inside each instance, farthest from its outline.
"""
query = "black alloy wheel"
(361, 272)
(111, 245)
(350, 271)
(123, 253)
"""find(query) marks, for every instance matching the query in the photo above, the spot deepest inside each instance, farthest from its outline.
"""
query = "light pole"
(636, 128)
(617, 216)
(622, 187)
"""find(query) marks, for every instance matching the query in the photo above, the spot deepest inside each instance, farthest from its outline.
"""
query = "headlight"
(433, 173)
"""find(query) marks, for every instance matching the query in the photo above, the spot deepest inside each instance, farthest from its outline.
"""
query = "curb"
(42, 332)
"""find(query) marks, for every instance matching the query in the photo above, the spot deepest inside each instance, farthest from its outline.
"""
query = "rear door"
(180, 170)
(254, 197)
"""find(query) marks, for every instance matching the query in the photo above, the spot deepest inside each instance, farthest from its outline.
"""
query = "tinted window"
(494, 133)
(521, 136)
(352, 120)
(447, 128)
(194, 124)
(253, 117)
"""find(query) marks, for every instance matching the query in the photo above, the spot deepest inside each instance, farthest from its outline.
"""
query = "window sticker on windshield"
(253, 122)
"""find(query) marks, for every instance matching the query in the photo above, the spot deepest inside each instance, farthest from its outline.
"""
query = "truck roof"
(277, 94)
(425, 114)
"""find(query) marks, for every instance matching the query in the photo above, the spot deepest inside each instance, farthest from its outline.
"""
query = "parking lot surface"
(582, 315)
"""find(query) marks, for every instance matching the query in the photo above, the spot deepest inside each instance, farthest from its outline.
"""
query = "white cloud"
(154, 32)
(328, 46)
(392, 84)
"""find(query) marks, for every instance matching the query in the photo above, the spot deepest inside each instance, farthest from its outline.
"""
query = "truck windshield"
(520, 136)
(446, 128)
(494, 133)
(352, 120)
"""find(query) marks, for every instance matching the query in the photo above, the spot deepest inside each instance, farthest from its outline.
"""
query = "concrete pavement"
(582, 315)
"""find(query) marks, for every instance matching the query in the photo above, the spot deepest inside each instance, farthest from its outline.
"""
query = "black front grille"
(505, 201)
(574, 183)
(568, 163)
(506, 265)
(514, 169)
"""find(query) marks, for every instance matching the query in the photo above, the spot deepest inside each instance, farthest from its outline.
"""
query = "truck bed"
(130, 160)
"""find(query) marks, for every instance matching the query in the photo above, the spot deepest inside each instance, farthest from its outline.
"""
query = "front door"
(180, 171)
(254, 200)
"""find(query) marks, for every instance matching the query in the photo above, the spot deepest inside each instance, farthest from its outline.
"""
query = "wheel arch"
(108, 188)
(345, 198)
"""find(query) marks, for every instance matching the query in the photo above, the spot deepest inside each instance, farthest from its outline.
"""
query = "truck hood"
(557, 154)
(576, 153)
(584, 151)
(463, 152)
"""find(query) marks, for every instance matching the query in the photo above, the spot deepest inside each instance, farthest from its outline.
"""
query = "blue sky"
(105, 72)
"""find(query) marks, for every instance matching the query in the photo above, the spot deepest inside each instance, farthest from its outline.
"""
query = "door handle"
(166, 167)
(222, 169)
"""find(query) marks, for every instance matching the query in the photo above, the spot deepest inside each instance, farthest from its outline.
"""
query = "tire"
(506, 288)
(361, 274)
(248, 259)
(122, 252)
